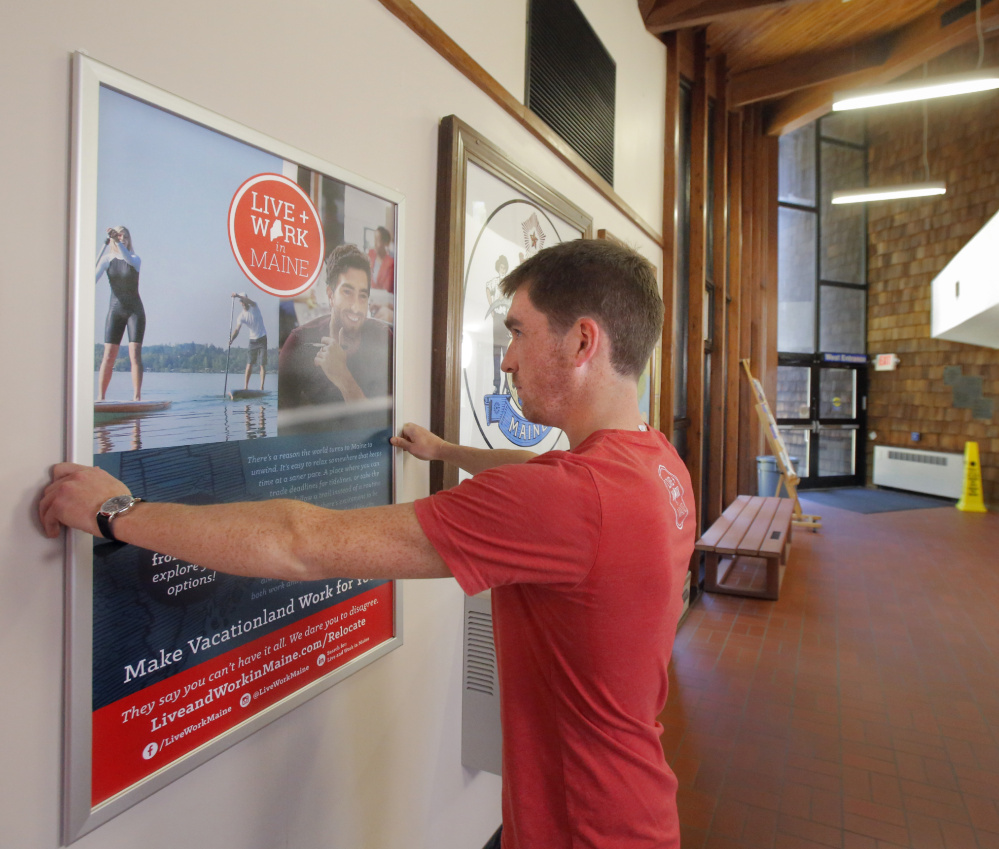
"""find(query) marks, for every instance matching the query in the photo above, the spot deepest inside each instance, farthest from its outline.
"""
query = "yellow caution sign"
(971, 496)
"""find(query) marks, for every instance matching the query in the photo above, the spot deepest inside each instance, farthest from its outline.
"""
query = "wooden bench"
(751, 526)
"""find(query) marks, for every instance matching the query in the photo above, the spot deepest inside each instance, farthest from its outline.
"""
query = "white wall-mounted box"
(966, 292)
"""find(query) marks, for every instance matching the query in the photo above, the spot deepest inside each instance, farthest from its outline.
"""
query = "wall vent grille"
(481, 733)
(915, 457)
(571, 81)
(480, 653)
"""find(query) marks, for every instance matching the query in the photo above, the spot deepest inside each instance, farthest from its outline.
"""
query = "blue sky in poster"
(170, 181)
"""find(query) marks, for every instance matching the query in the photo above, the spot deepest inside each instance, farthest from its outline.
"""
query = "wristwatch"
(112, 509)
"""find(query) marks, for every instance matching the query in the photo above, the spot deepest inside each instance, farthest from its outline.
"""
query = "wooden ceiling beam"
(669, 15)
(924, 39)
(791, 75)
(645, 7)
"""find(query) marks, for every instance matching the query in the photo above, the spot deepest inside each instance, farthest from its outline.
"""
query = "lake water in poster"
(199, 412)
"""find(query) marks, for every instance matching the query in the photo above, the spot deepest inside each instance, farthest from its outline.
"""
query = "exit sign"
(885, 362)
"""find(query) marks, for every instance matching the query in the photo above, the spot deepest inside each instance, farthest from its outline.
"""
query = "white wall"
(375, 761)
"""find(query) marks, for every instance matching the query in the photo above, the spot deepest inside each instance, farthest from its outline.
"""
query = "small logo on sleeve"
(675, 490)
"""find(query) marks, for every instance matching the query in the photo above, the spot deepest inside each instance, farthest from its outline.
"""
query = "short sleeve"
(536, 522)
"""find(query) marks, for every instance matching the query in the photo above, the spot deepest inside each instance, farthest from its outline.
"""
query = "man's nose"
(507, 364)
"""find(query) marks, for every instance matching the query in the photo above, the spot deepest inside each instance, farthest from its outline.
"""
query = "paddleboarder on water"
(254, 322)
(121, 264)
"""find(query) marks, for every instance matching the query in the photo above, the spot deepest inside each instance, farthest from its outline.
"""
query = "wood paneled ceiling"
(792, 55)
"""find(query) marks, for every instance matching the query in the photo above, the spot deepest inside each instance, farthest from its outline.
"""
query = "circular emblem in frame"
(276, 235)
(513, 231)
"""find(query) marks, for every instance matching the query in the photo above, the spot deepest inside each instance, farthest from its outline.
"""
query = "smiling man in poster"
(337, 360)
(586, 589)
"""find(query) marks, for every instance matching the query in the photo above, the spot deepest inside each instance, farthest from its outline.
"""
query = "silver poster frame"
(89, 76)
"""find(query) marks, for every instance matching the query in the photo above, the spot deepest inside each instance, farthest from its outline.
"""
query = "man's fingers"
(74, 496)
(49, 505)
(418, 441)
(50, 525)
(61, 470)
(403, 439)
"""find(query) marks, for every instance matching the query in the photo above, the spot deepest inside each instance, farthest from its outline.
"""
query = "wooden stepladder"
(788, 477)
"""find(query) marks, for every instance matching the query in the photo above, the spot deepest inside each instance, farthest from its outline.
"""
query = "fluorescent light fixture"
(922, 89)
(912, 190)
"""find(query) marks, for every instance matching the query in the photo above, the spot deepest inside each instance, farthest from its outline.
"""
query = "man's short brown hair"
(341, 258)
(607, 282)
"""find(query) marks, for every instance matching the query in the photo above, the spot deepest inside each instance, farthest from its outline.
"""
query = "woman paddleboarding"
(121, 264)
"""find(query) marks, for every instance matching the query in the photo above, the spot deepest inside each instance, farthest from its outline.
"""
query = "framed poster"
(491, 215)
(648, 382)
(213, 271)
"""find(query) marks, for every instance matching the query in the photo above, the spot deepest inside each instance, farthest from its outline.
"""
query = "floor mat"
(861, 500)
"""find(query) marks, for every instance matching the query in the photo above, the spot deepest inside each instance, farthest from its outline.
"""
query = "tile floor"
(861, 709)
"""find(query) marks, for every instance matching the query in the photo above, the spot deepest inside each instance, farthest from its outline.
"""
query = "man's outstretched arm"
(421, 443)
(284, 539)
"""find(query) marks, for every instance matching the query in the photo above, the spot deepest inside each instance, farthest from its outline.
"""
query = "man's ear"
(587, 338)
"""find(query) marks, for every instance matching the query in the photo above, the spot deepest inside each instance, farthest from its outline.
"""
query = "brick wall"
(909, 243)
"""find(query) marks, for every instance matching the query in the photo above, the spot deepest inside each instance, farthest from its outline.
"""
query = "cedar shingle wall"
(909, 243)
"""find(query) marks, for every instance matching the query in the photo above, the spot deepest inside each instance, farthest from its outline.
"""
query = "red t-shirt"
(585, 552)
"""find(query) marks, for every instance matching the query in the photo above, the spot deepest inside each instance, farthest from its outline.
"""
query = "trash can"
(768, 475)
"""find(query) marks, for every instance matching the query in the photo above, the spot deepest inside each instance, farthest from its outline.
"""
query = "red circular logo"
(275, 235)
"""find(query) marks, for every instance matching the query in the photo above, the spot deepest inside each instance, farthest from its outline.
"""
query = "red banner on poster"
(147, 731)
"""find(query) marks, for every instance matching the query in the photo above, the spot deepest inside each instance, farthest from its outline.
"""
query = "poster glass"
(233, 339)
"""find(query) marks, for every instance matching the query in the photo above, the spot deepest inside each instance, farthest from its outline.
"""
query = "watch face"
(119, 502)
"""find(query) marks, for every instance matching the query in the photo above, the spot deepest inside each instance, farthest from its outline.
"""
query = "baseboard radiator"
(930, 472)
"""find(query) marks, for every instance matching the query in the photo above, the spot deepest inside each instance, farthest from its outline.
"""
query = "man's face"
(380, 245)
(537, 361)
(349, 301)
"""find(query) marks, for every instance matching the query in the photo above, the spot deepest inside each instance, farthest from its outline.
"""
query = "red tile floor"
(861, 709)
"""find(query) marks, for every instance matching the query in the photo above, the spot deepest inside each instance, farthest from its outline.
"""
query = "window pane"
(836, 451)
(793, 392)
(796, 281)
(679, 439)
(838, 393)
(796, 168)
(845, 126)
(680, 323)
(842, 320)
(798, 442)
(710, 235)
(844, 238)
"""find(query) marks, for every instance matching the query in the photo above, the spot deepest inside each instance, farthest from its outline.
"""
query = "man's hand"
(74, 497)
(424, 445)
(419, 442)
(332, 359)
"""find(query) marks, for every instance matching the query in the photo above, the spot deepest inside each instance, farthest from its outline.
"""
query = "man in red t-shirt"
(585, 550)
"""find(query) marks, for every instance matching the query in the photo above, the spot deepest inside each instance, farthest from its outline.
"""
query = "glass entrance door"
(821, 411)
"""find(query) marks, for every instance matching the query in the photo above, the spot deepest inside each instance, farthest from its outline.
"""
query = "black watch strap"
(104, 524)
